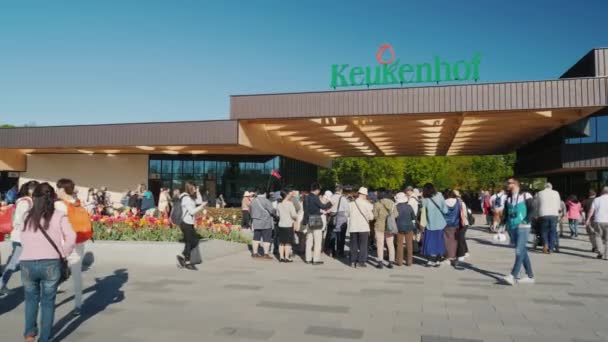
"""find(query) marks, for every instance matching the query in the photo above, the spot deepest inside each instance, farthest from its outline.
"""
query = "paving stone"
(465, 296)
(589, 295)
(353, 334)
(246, 333)
(243, 287)
(557, 302)
(303, 307)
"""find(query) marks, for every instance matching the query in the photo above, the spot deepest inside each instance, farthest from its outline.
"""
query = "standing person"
(434, 209)
(47, 237)
(360, 213)
(406, 223)
(599, 215)
(412, 199)
(147, 201)
(68, 203)
(517, 217)
(339, 218)
(90, 203)
(384, 208)
(574, 209)
(498, 205)
(191, 203)
(11, 195)
(22, 209)
(314, 209)
(453, 223)
(486, 204)
(589, 226)
(245, 207)
(285, 232)
(548, 212)
(462, 251)
(163, 201)
(262, 222)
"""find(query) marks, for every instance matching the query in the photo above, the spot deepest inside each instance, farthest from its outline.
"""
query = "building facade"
(556, 127)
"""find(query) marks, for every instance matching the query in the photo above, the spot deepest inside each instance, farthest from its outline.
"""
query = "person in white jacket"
(22, 207)
(360, 213)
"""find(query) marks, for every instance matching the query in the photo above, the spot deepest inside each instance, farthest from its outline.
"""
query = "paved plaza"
(135, 293)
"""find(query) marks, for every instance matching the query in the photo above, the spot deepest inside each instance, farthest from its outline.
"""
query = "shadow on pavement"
(106, 292)
(494, 275)
(10, 302)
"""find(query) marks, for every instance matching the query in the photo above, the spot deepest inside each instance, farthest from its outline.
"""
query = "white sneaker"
(525, 280)
(509, 280)
(430, 263)
(446, 262)
(467, 255)
(461, 259)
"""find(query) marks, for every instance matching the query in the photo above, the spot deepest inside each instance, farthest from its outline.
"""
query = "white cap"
(363, 191)
(328, 194)
(401, 197)
(247, 194)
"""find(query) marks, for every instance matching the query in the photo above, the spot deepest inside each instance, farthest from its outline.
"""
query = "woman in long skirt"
(434, 209)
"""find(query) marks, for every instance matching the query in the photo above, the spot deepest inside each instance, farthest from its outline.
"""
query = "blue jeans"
(40, 280)
(12, 265)
(548, 228)
(573, 227)
(520, 236)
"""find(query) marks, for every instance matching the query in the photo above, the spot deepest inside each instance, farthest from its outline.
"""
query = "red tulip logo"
(381, 52)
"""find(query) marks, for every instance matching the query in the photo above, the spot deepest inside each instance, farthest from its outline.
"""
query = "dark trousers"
(190, 239)
(246, 219)
(463, 248)
(359, 247)
(341, 239)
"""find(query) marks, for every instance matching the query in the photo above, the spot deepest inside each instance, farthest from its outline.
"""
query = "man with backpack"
(78, 217)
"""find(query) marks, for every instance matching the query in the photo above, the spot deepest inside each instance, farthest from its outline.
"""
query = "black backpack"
(176, 212)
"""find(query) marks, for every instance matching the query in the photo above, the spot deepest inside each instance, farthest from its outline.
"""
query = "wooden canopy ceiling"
(474, 133)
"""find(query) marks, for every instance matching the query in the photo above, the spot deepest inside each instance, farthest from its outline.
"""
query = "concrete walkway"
(135, 293)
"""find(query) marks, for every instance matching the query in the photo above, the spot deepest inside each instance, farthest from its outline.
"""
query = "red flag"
(275, 174)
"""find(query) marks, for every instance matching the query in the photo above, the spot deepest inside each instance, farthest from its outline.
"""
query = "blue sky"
(84, 62)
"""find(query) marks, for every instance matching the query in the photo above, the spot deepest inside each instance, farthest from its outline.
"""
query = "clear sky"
(108, 61)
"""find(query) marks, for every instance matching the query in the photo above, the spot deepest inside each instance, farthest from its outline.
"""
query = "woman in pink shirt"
(40, 262)
(575, 209)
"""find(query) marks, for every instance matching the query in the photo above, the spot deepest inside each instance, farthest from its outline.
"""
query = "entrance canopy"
(428, 121)
(316, 127)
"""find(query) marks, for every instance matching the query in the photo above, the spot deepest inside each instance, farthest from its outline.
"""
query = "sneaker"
(181, 261)
(288, 260)
(525, 280)
(467, 255)
(446, 262)
(390, 265)
(31, 338)
(461, 259)
(509, 280)
(191, 267)
(430, 263)
(380, 265)
(599, 256)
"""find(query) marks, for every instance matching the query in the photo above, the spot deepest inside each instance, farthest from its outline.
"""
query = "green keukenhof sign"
(392, 72)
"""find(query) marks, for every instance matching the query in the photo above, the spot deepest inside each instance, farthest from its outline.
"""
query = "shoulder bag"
(391, 222)
(64, 268)
(333, 218)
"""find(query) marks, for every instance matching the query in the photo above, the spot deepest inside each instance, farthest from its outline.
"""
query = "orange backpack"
(80, 220)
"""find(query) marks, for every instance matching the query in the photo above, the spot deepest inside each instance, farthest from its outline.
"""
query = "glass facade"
(598, 131)
(226, 174)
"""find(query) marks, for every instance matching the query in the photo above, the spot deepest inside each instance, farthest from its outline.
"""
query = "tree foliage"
(461, 172)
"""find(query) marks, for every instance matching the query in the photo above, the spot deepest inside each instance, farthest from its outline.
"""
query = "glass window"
(592, 131)
(166, 166)
(210, 168)
(602, 128)
(154, 166)
(188, 166)
(199, 167)
(166, 176)
(177, 166)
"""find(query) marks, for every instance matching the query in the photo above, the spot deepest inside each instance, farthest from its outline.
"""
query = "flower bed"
(221, 224)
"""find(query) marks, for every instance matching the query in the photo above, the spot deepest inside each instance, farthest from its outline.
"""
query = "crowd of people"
(50, 227)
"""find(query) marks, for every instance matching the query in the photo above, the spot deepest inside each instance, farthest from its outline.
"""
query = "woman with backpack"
(22, 208)
(70, 205)
(47, 238)
(434, 210)
(190, 204)
(385, 210)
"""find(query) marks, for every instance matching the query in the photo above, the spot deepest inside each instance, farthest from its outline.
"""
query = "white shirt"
(360, 213)
(338, 198)
(600, 209)
(503, 199)
(22, 207)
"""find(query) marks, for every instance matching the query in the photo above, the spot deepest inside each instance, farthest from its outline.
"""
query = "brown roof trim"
(506, 96)
(223, 132)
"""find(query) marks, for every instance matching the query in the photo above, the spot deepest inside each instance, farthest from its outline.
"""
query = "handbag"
(391, 222)
(333, 218)
(315, 222)
(64, 268)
